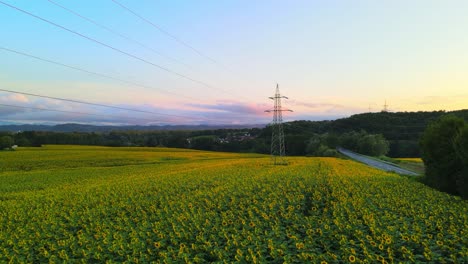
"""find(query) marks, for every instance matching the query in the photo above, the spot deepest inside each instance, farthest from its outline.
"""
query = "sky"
(218, 62)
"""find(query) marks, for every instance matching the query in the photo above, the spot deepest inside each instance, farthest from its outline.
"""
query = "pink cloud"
(12, 98)
(233, 107)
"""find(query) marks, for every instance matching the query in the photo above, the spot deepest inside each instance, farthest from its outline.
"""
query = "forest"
(394, 134)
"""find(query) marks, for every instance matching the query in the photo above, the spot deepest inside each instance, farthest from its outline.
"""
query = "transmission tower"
(385, 107)
(277, 135)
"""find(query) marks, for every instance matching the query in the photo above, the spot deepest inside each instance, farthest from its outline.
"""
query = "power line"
(113, 48)
(97, 74)
(165, 32)
(117, 33)
(93, 73)
(71, 112)
(277, 134)
(385, 107)
(94, 104)
(159, 28)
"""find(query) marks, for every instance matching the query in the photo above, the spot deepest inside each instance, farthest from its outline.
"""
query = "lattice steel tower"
(277, 134)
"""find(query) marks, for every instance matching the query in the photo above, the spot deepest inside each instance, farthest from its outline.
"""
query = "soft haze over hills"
(216, 62)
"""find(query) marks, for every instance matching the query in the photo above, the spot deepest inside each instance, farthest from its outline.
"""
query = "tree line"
(394, 134)
(247, 140)
(445, 154)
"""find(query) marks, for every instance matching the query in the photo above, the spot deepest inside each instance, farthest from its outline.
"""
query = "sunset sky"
(218, 62)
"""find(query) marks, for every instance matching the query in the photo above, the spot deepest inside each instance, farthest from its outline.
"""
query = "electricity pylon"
(277, 134)
(385, 107)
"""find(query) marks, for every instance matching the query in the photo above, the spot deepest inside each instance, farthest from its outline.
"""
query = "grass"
(412, 164)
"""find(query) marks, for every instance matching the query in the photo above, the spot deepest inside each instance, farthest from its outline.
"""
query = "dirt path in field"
(381, 165)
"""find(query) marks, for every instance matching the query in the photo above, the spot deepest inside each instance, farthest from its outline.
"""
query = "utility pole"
(385, 107)
(277, 134)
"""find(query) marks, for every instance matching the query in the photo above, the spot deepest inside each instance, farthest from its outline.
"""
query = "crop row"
(314, 210)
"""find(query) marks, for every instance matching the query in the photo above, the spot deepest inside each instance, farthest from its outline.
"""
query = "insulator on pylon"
(277, 136)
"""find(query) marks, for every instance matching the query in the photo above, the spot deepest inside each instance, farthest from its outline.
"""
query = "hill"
(401, 129)
(105, 129)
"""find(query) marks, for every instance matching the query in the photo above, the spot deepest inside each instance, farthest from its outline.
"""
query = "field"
(412, 164)
(97, 204)
(415, 160)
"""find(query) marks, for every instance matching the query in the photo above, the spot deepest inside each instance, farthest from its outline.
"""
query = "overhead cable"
(113, 48)
(93, 73)
(117, 33)
(74, 112)
(94, 104)
(164, 31)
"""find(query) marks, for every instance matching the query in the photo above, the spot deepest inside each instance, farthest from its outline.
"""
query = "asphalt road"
(381, 165)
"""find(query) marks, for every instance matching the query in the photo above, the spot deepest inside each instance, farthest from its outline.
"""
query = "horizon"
(51, 124)
(217, 63)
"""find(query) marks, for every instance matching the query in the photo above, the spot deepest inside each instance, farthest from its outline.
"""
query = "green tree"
(443, 165)
(318, 146)
(6, 142)
(461, 148)
(23, 142)
(313, 145)
(382, 146)
(332, 140)
(367, 144)
(203, 142)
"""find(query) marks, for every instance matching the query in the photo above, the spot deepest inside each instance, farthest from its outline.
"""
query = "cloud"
(8, 111)
(232, 107)
(317, 106)
(10, 98)
(219, 112)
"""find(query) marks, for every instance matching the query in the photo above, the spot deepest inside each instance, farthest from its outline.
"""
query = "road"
(381, 165)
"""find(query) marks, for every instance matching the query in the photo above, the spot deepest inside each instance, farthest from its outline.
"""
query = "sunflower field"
(141, 205)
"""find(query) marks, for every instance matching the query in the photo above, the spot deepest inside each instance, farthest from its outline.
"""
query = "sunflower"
(323, 262)
(440, 243)
(427, 256)
(299, 245)
(352, 259)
